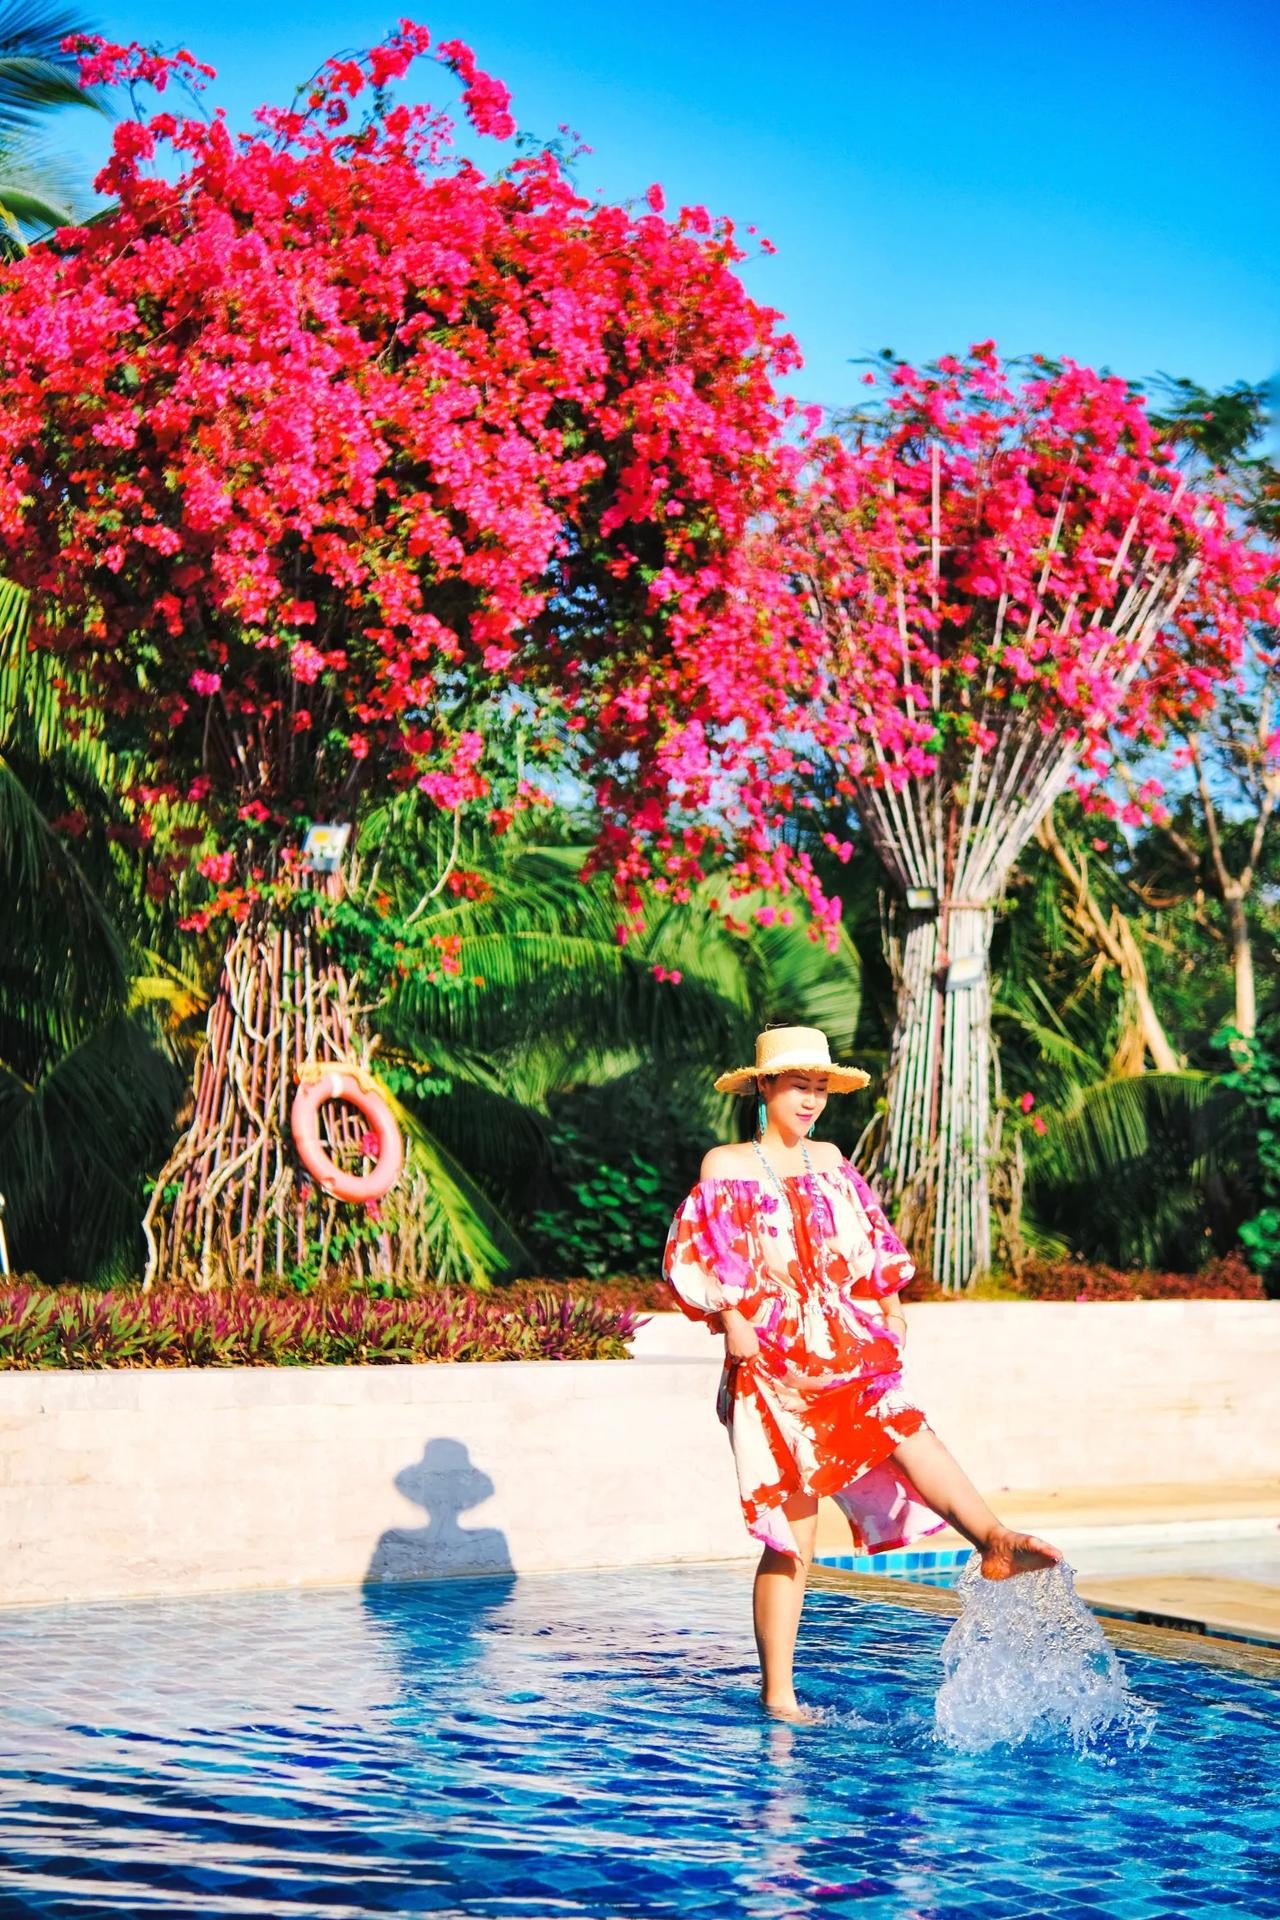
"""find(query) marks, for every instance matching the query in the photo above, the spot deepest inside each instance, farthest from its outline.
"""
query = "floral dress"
(821, 1407)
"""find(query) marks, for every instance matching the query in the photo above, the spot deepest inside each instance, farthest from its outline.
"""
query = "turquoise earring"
(762, 1117)
(810, 1133)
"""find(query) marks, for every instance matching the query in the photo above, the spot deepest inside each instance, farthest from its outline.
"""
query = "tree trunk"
(1242, 963)
(233, 1207)
(1114, 938)
(938, 1139)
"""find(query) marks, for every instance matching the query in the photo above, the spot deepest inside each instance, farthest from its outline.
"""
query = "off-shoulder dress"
(822, 1406)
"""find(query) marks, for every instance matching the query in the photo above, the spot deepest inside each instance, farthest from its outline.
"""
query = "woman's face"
(795, 1099)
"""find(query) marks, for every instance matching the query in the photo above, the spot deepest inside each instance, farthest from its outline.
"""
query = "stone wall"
(1100, 1393)
(173, 1482)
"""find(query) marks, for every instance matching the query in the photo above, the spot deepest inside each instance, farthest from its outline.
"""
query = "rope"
(310, 1070)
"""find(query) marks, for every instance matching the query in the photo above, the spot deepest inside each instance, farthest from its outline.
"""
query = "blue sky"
(1102, 181)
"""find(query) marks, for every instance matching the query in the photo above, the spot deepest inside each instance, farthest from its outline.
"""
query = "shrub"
(612, 1215)
(1229, 1278)
(53, 1327)
(1258, 1082)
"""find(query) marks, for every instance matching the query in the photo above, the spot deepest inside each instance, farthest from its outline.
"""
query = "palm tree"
(1134, 1168)
(551, 1018)
(87, 1089)
(36, 78)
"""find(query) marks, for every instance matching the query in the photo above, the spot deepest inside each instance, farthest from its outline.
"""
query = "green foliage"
(1129, 1167)
(618, 1218)
(508, 1014)
(87, 1088)
(1257, 1081)
(1134, 1168)
(1226, 431)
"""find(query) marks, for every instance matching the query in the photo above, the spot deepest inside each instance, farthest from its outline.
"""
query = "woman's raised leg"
(943, 1484)
(776, 1603)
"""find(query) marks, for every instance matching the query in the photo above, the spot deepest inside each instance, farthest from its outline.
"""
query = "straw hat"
(793, 1049)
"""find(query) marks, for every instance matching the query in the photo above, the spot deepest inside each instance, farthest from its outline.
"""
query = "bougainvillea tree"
(331, 461)
(1019, 580)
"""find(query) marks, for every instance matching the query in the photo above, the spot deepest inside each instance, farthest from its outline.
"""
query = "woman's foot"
(1007, 1553)
(787, 1707)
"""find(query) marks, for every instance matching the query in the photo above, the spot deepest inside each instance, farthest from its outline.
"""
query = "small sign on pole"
(324, 846)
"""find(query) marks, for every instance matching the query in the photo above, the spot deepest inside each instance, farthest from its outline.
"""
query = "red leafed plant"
(327, 459)
(70, 1327)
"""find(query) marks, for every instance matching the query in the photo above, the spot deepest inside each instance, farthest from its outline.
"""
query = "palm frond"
(36, 76)
(1109, 1124)
(465, 1235)
(73, 1145)
(29, 204)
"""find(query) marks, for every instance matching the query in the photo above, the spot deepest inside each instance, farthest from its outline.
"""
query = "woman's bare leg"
(943, 1484)
(776, 1603)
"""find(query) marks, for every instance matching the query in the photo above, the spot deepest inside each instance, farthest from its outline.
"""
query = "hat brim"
(838, 1079)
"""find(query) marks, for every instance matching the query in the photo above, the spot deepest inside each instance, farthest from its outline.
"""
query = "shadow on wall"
(445, 1484)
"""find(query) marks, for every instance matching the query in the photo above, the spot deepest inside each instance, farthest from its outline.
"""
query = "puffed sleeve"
(892, 1266)
(707, 1261)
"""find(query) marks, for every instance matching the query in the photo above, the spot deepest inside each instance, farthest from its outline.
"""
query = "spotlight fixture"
(968, 971)
(922, 900)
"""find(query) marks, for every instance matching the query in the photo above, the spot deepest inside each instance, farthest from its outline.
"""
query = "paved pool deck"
(1194, 1603)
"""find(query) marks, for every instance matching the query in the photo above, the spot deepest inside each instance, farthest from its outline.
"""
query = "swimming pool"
(587, 1745)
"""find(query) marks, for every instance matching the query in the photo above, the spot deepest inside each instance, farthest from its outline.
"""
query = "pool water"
(589, 1745)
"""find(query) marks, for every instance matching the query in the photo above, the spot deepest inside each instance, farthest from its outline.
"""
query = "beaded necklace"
(775, 1177)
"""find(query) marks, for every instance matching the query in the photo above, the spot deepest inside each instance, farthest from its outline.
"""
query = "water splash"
(1027, 1657)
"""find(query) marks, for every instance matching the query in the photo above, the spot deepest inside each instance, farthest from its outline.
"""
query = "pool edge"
(1256, 1658)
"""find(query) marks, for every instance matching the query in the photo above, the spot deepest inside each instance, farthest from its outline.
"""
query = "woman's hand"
(740, 1341)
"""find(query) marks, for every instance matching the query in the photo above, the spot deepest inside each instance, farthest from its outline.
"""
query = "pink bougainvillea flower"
(233, 447)
(986, 543)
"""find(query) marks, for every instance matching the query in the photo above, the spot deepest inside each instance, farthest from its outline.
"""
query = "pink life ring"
(304, 1121)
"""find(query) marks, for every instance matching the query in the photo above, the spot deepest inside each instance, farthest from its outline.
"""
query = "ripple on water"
(590, 1746)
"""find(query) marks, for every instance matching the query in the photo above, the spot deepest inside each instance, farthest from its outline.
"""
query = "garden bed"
(56, 1327)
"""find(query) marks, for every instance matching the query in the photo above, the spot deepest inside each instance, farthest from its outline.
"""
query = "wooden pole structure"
(951, 838)
(232, 1207)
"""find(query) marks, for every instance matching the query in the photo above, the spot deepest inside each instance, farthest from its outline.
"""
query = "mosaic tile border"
(897, 1560)
(1259, 1658)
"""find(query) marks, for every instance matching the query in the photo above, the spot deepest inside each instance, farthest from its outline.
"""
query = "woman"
(783, 1249)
